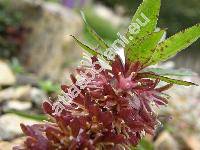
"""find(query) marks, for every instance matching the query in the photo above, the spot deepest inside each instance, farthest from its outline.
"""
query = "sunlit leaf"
(175, 44)
(142, 51)
(169, 72)
(166, 79)
(150, 8)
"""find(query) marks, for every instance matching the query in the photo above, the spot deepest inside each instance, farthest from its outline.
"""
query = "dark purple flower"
(114, 111)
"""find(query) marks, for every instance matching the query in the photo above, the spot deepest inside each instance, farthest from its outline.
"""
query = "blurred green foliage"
(145, 145)
(16, 66)
(11, 31)
(103, 27)
(49, 87)
(36, 117)
(175, 14)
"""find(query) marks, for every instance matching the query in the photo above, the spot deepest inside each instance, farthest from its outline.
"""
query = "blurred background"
(37, 54)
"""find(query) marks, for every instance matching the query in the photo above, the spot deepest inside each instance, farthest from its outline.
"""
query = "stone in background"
(48, 45)
(6, 75)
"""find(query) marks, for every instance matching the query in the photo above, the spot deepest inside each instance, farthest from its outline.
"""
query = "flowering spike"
(111, 109)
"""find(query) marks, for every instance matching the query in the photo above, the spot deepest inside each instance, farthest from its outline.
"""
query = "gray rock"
(10, 126)
(166, 142)
(193, 142)
(6, 75)
(20, 93)
(24, 79)
(7, 94)
(48, 46)
(37, 96)
(17, 105)
(188, 141)
(24, 94)
(5, 145)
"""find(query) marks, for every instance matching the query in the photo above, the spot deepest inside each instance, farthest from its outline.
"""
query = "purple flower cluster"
(114, 111)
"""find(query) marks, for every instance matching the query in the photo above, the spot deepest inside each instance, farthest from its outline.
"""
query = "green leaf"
(90, 50)
(144, 145)
(169, 72)
(98, 39)
(175, 44)
(166, 79)
(28, 116)
(48, 86)
(16, 66)
(85, 47)
(142, 51)
(150, 8)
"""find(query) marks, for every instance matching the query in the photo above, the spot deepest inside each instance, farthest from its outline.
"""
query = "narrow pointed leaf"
(142, 51)
(98, 39)
(28, 116)
(85, 47)
(166, 79)
(90, 50)
(169, 72)
(150, 8)
(175, 44)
